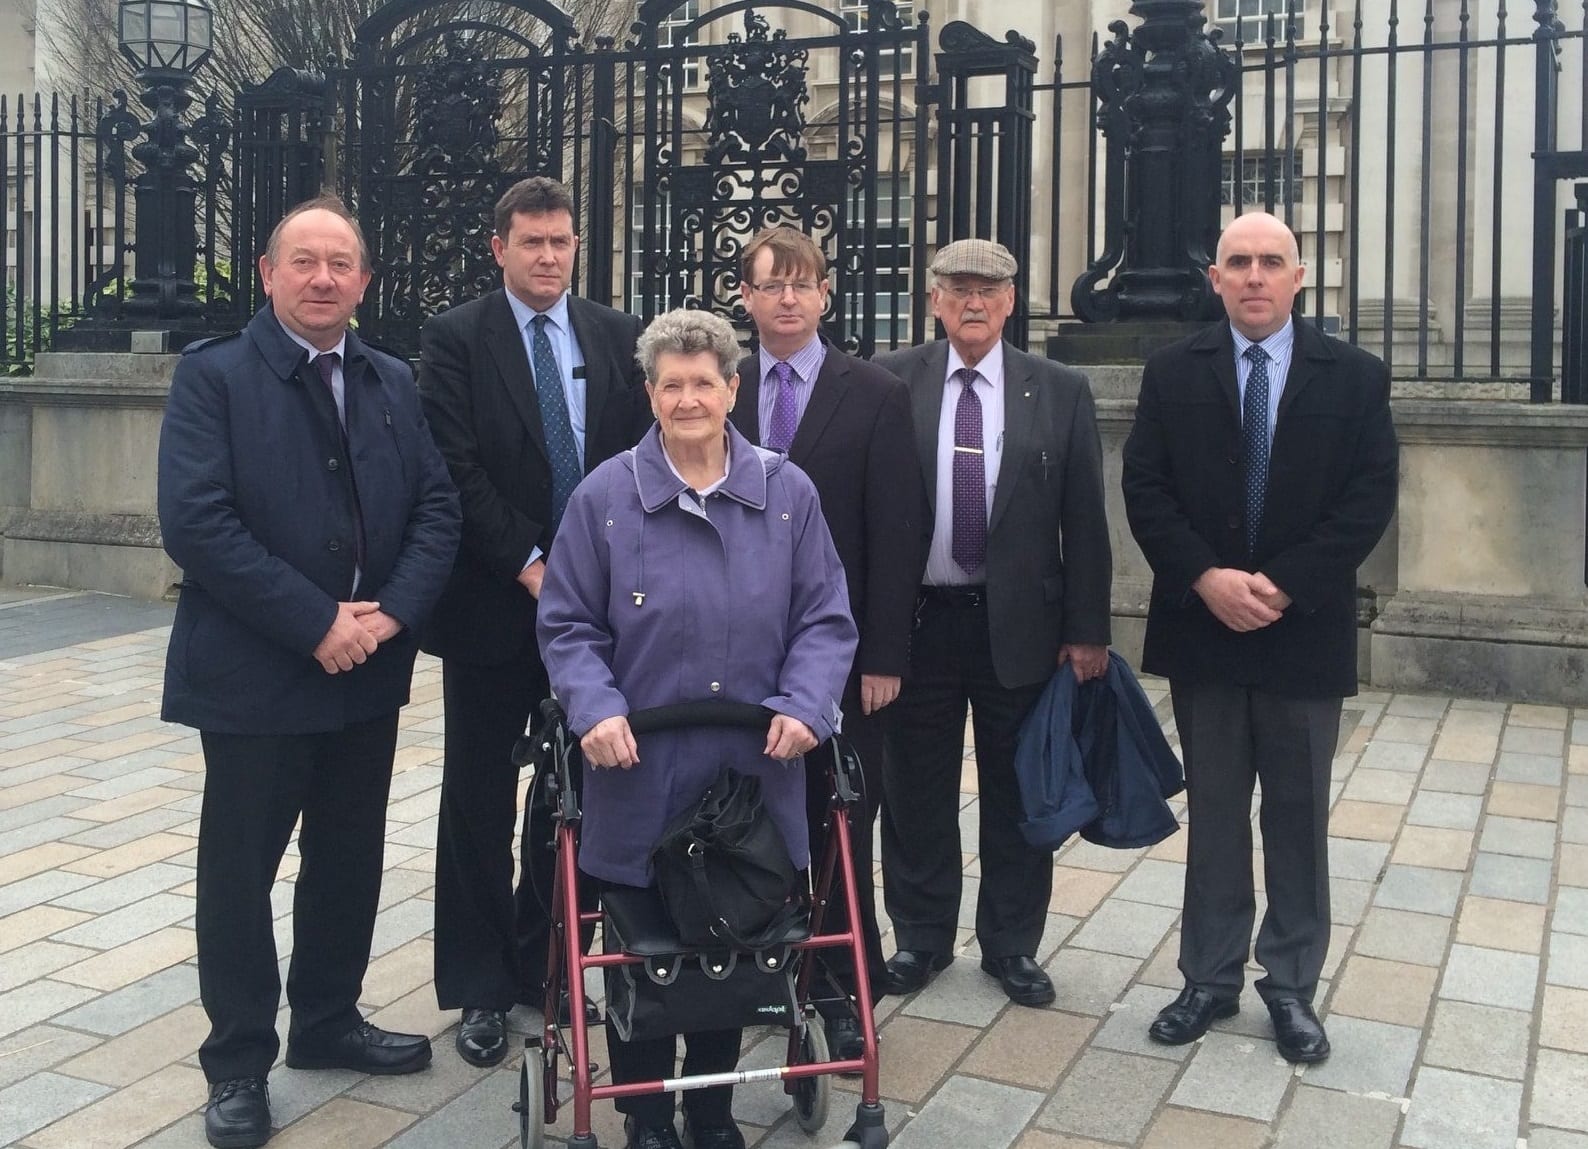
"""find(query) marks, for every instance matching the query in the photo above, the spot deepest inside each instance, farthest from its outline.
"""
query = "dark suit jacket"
(256, 506)
(479, 395)
(1331, 492)
(855, 443)
(1049, 564)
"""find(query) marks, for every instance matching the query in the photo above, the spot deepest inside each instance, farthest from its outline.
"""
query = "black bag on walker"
(685, 992)
(723, 869)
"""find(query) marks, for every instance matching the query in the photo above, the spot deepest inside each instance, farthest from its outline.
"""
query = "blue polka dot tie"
(785, 411)
(1254, 441)
(969, 547)
(561, 450)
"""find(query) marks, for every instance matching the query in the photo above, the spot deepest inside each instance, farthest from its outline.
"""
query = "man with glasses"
(846, 423)
(1016, 586)
(527, 389)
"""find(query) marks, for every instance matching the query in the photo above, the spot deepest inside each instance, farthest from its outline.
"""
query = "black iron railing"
(1419, 156)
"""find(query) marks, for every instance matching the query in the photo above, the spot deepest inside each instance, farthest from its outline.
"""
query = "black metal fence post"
(984, 153)
(1545, 121)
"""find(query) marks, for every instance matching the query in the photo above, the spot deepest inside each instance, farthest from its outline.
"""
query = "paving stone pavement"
(1456, 992)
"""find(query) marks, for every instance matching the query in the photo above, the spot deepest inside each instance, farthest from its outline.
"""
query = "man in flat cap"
(1016, 586)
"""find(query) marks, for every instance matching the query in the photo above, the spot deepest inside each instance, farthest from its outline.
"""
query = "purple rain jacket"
(649, 600)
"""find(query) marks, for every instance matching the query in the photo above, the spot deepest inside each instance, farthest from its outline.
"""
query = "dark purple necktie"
(326, 363)
(785, 410)
(970, 478)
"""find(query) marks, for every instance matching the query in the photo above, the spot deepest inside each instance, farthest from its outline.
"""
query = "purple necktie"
(970, 478)
(785, 410)
(325, 363)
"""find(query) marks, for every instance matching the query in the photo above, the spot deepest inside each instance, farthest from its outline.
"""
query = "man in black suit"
(527, 389)
(314, 524)
(1016, 586)
(1260, 473)
(846, 424)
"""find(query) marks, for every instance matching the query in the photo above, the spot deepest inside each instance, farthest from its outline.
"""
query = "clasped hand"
(358, 629)
(610, 742)
(1241, 600)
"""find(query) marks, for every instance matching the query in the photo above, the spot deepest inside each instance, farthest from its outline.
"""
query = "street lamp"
(167, 41)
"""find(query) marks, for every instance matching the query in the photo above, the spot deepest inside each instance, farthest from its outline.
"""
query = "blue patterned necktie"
(785, 419)
(1254, 441)
(970, 478)
(562, 451)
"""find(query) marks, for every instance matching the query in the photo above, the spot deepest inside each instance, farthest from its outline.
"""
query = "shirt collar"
(1277, 345)
(557, 313)
(991, 368)
(805, 360)
(659, 484)
(340, 350)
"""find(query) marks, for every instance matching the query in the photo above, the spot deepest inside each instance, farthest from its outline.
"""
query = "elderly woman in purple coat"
(695, 566)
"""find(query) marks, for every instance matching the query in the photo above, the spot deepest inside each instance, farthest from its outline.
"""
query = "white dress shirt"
(941, 569)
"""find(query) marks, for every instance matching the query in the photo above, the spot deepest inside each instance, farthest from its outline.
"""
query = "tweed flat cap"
(980, 257)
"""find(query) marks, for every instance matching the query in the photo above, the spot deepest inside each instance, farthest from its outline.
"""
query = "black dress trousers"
(951, 666)
(255, 788)
(490, 941)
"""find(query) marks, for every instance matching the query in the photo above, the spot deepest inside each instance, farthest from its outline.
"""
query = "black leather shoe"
(366, 1048)
(1297, 1031)
(238, 1113)
(650, 1137)
(482, 1037)
(1188, 1016)
(1022, 979)
(712, 1136)
(909, 970)
(844, 1041)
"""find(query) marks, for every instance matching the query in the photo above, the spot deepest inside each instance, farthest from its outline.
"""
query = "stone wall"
(1477, 588)
(77, 474)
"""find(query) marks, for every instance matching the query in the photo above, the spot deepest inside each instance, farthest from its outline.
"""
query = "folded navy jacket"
(1093, 760)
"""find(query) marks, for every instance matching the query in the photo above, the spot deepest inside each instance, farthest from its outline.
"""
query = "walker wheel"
(813, 1095)
(531, 1103)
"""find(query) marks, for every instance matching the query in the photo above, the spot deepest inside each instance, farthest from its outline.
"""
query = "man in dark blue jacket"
(315, 524)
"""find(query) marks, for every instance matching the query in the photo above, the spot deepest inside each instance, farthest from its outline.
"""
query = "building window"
(1252, 16)
(855, 14)
(643, 252)
(1254, 179)
(890, 256)
(670, 33)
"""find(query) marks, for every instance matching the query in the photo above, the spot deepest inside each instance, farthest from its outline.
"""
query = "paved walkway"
(1458, 999)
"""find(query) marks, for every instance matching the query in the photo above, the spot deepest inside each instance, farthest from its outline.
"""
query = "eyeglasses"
(774, 289)
(982, 292)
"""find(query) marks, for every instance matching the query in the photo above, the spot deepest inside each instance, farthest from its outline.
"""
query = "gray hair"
(688, 331)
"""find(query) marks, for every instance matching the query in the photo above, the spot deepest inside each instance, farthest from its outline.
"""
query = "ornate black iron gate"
(680, 144)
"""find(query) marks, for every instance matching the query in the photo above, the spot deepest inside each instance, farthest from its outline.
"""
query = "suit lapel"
(746, 413)
(506, 345)
(1306, 352)
(1020, 416)
(827, 392)
(598, 372)
(1223, 345)
(926, 403)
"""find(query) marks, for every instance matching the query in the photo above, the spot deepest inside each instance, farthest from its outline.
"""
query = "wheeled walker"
(651, 951)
